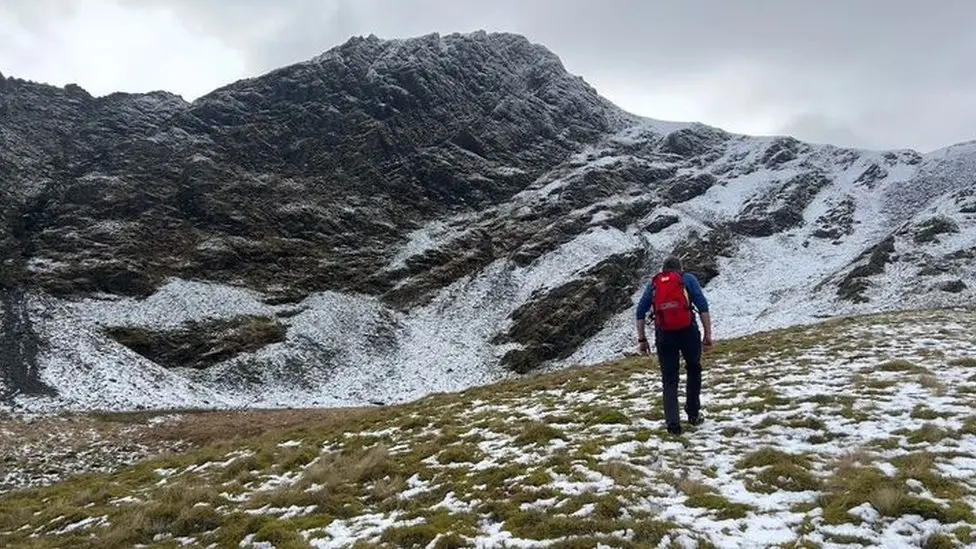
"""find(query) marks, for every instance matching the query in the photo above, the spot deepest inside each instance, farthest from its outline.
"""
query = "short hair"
(672, 263)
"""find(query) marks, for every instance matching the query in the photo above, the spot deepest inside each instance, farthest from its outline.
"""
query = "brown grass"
(206, 428)
(933, 383)
(691, 487)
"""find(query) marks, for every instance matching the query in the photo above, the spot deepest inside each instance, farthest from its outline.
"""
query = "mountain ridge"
(387, 202)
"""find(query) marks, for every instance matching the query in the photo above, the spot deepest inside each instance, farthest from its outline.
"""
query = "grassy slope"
(855, 431)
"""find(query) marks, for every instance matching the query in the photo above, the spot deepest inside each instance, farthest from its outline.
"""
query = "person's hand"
(643, 348)
(707, 342)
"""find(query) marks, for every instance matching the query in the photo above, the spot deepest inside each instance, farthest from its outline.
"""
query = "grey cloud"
(829, 130)
(874, 73)
(38, 13)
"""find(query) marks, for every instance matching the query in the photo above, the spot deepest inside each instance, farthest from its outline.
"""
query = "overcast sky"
(866, 73)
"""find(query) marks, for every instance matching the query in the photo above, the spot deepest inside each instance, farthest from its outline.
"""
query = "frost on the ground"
(860, 429)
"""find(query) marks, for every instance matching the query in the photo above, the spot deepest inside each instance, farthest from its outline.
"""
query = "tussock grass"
(460, 453)
(623, 474)
(535, 432)
(928, 433)
(722, 507)
(903, 366)
(921, 466)
(691, 487)
(922, 411)
(933, 383)
(938, 541)
(778, 471)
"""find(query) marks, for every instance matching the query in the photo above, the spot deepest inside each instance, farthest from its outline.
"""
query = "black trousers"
(671, 346)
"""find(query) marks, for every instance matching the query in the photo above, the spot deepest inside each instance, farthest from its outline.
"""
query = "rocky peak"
(319, 168)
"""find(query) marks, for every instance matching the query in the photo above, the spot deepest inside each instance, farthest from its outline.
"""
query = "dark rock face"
(871, 176)
(930, 229)
(694, 141)
(201, 344)
(699, 253)
(660, 223)
(781, 151)
(306, 178)
(953, 286)
(853, 286)
(838, 221)
(554, 324)
(686, 188)
(19, 348)
(967, 201)
(780, 209)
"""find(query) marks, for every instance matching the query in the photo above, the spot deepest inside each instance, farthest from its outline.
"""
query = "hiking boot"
(674, 428)
(696, 420)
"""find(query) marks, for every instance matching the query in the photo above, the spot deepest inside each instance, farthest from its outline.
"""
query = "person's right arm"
(643, 307)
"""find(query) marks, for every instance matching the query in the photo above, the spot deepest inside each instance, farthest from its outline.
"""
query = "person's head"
(672, 263)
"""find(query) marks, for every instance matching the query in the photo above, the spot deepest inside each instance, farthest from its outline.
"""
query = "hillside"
(853, 432)
(315, 235)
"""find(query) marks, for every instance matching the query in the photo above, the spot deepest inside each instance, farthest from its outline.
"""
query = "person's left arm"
(701, 305)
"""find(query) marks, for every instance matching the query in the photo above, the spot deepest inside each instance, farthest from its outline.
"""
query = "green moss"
(535, 524)
(724, 508)
(938, 541)
(607, 416)
(451, 541)
(844, 539)
(297, 457)
(921, 411)
(282, 535)
(417, 536)
(608, 508)
(965, 534)
(460, 453)
(623, 474)
(886, 443)
(928, 433)
(534, 432)
(784, 476)
(196, 519)
(921, 467)
(959, 511)
(849, 487)
(588, 542)
(414, 422)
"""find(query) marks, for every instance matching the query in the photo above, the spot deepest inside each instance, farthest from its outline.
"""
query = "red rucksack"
(672, 307)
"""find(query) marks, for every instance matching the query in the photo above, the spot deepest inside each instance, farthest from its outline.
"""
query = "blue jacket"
(694, 293)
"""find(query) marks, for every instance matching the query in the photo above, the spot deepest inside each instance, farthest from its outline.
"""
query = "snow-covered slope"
(516, 241)
(347, 349)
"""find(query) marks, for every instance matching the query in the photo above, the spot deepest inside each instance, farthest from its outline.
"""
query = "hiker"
(672, 297)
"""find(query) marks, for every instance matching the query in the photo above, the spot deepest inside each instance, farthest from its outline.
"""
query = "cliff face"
(302, 180)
